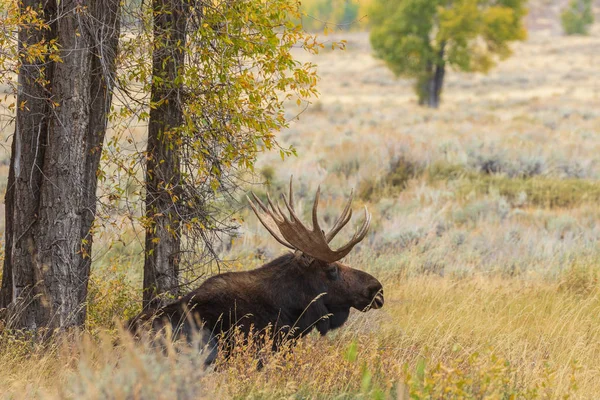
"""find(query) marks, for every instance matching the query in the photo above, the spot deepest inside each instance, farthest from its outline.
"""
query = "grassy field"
(485, 235)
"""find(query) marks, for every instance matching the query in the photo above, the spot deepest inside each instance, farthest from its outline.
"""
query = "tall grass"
(435, 337)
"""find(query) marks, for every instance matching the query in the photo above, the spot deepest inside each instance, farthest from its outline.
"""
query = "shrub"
(539, 191)
(396, 179)
(322, 14)
(577, 17)
(500, 163)
(442, 171)
(111, 297)
(536, 190)
(347, 163)
(268, 174)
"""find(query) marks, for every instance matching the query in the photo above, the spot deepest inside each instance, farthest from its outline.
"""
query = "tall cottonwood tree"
(66, 62)
(221, 74)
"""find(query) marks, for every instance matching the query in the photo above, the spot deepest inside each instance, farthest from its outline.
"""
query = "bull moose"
(290, 295)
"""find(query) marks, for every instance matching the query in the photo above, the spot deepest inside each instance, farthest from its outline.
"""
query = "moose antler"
(292, 233)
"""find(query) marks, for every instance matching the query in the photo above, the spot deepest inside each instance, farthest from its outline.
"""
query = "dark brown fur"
(291, 295)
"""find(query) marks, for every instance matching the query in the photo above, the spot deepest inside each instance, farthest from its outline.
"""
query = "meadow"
(485, 236)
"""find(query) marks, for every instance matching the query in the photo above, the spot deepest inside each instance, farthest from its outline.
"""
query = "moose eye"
(332, 272)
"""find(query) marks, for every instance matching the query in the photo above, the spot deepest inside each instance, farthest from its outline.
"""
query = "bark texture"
(163, 239)
(25, 174)
(50, 204)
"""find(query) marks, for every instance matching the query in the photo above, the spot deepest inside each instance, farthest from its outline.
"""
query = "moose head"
(291, 295)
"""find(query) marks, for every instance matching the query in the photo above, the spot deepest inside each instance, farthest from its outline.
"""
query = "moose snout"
(376, 294)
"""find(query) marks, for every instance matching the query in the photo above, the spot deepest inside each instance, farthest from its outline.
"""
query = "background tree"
(64, 57)
(577, 17)
(421, 38)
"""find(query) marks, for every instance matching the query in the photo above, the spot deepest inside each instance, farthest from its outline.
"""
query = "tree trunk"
(436, 80)
(163, 239)
(51, 202)
(103, 69)
(7, 282)
(25, 174)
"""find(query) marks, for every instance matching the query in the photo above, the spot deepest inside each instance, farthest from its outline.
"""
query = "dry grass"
(485, 236)
(475, 336)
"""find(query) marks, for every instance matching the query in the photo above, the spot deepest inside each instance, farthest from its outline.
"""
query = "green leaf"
(351, 353)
